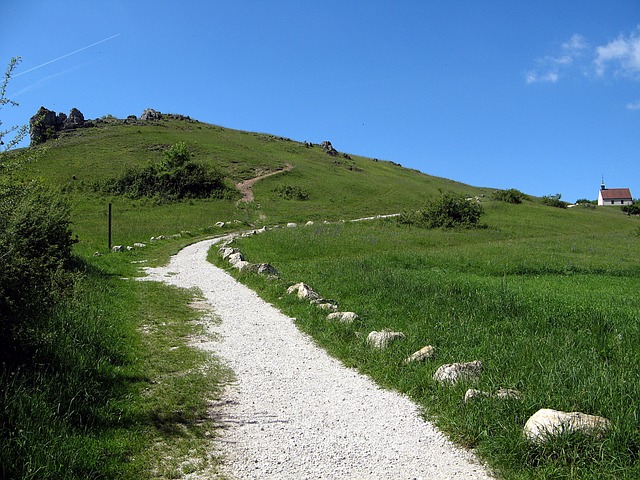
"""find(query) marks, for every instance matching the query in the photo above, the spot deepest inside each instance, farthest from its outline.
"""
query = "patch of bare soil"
(246, 186)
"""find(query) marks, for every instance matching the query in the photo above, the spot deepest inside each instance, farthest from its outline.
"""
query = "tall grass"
(108, 386)
(551, 311)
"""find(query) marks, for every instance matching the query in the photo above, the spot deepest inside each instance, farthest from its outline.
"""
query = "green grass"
(539, 296)
(545, 297)
(110, 387)
(337, 187)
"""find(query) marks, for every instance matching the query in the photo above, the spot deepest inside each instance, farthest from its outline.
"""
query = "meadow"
(539, 296)
(545, 297)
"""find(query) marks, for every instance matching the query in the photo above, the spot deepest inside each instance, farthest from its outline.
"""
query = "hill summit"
(47, 124)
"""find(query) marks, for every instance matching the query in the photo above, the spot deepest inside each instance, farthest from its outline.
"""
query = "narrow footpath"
(246, 186)
(296, 413)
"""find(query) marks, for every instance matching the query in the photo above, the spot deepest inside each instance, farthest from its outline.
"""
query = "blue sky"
(540, 96)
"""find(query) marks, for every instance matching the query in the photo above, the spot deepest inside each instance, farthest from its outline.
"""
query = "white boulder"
(383, 338)
(343, 317)
(547, 423)
(423, 354)
(452, 373)
(304, 291)
(242, 265)
(235, 258)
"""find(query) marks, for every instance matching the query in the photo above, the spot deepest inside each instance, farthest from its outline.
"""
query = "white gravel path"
(295, 412)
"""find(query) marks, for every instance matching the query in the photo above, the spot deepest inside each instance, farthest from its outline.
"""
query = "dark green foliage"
(445, 211)
(554, 201)
(62, 403)
(175, 178)
(511, 195)
(291, 192)
(633, 209)
(35, 251)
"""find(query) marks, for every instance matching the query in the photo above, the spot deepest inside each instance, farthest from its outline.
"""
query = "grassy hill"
(545, 297)
(337, 187)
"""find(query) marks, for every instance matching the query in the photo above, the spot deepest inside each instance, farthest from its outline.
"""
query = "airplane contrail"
(67, 55)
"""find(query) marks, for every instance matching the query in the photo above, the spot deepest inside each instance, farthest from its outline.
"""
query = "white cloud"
(633, 105)
(622, 55)
(549, 69)
(534, 77)
(576, 43)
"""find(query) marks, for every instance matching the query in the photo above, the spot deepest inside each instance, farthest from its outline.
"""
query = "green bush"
(35, 253)
(290, 192)
(175, 178)
(446, 211)
(511, 195)
(633, 209)
(554, 201)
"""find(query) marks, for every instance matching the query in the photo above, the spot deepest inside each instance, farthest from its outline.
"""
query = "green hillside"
(337, 187)
(546, 297)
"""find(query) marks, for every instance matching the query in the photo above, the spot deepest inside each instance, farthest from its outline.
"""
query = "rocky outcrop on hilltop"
(47, 124)
(151, 115)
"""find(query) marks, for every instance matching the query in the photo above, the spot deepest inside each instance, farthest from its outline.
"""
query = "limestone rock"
(304, 292)
(474, 393)
(547, 423)
(117, 248)
(501, 394)
(292, 225)
(46, 124)
(43, 125)
(422, 354)
(266, 269)
(226, 252)
(139, 245)
(74, 120)
(452, 373)
(328, 148)
(151, 115)
(332, 307)
(235, 258)
(343, 317)
(242, 265)
(383, 338)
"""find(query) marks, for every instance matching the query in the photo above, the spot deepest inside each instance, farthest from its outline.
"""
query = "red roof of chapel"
(616, 193)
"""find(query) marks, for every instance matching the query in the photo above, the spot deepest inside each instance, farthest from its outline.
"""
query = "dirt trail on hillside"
(246, 186)
(294, 412)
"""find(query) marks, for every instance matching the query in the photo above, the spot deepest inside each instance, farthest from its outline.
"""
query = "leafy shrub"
(511, 195)
(175, 178)
(35, 246)
(290, 192)
(554, 201)
(446, 211)
(633, 209)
